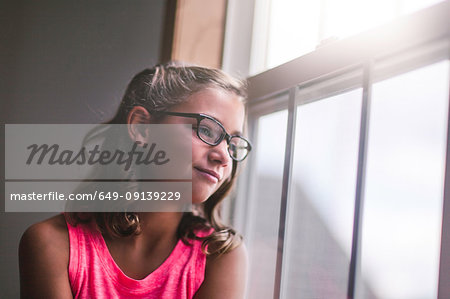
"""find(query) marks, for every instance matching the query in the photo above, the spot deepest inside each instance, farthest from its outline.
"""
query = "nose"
(219, 153)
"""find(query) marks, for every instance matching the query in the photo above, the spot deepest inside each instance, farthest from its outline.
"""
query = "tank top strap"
(79, 250)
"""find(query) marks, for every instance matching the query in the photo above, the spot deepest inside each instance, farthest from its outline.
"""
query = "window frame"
(407, 43)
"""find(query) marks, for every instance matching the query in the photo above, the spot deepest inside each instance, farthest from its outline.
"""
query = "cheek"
(198, 147)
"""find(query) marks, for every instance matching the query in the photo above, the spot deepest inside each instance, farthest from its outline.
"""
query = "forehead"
(224, 106)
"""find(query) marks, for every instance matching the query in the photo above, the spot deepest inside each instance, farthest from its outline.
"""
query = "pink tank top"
(93, 272)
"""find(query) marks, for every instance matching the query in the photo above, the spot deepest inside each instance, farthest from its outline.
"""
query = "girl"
(155, 255)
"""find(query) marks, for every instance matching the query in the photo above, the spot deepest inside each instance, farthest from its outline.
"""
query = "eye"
(205, 131)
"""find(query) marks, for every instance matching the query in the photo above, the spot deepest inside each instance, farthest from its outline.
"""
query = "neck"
(137, 254)
(156, 227)
(159, 224)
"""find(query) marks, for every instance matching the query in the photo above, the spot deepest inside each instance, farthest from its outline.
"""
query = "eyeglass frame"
(199, 117)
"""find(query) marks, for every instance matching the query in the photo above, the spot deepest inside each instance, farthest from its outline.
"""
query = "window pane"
(321, 204)
(340, 21)
(265, 204)
(293, 31)
(409, 6)
(296, 27)
(404, 184)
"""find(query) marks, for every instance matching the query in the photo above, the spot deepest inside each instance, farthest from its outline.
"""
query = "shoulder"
(44, 257)
(225, 275)
(227, 263)
(46, 235)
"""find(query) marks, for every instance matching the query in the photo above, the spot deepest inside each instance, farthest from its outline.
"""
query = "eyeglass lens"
(212, 133)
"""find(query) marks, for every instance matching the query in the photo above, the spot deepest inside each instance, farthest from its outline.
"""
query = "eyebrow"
(239, 133)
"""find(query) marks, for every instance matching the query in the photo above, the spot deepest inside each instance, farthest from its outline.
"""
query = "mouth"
(208, 174)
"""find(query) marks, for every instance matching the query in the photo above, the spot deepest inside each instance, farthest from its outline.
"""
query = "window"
(347, 187)
(286, 29)
(402, 221)
(263, 217)
(321, 201)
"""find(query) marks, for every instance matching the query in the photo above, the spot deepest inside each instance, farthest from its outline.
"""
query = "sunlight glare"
(347, 17)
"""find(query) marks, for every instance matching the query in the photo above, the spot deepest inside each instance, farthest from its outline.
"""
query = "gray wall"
(66, 61)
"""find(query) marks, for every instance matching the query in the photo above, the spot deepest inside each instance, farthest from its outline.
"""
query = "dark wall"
(66, 61)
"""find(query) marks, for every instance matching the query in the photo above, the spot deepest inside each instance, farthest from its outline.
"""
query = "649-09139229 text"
(102, 195)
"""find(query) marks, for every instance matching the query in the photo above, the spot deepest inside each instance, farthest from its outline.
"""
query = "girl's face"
(211, 165)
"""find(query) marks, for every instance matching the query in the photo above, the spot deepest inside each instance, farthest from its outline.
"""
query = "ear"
(138, 120)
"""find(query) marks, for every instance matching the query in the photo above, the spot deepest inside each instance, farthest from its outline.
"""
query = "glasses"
(212, 132)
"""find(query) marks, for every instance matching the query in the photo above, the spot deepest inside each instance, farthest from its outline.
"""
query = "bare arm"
(44, 259)
(225, 276)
